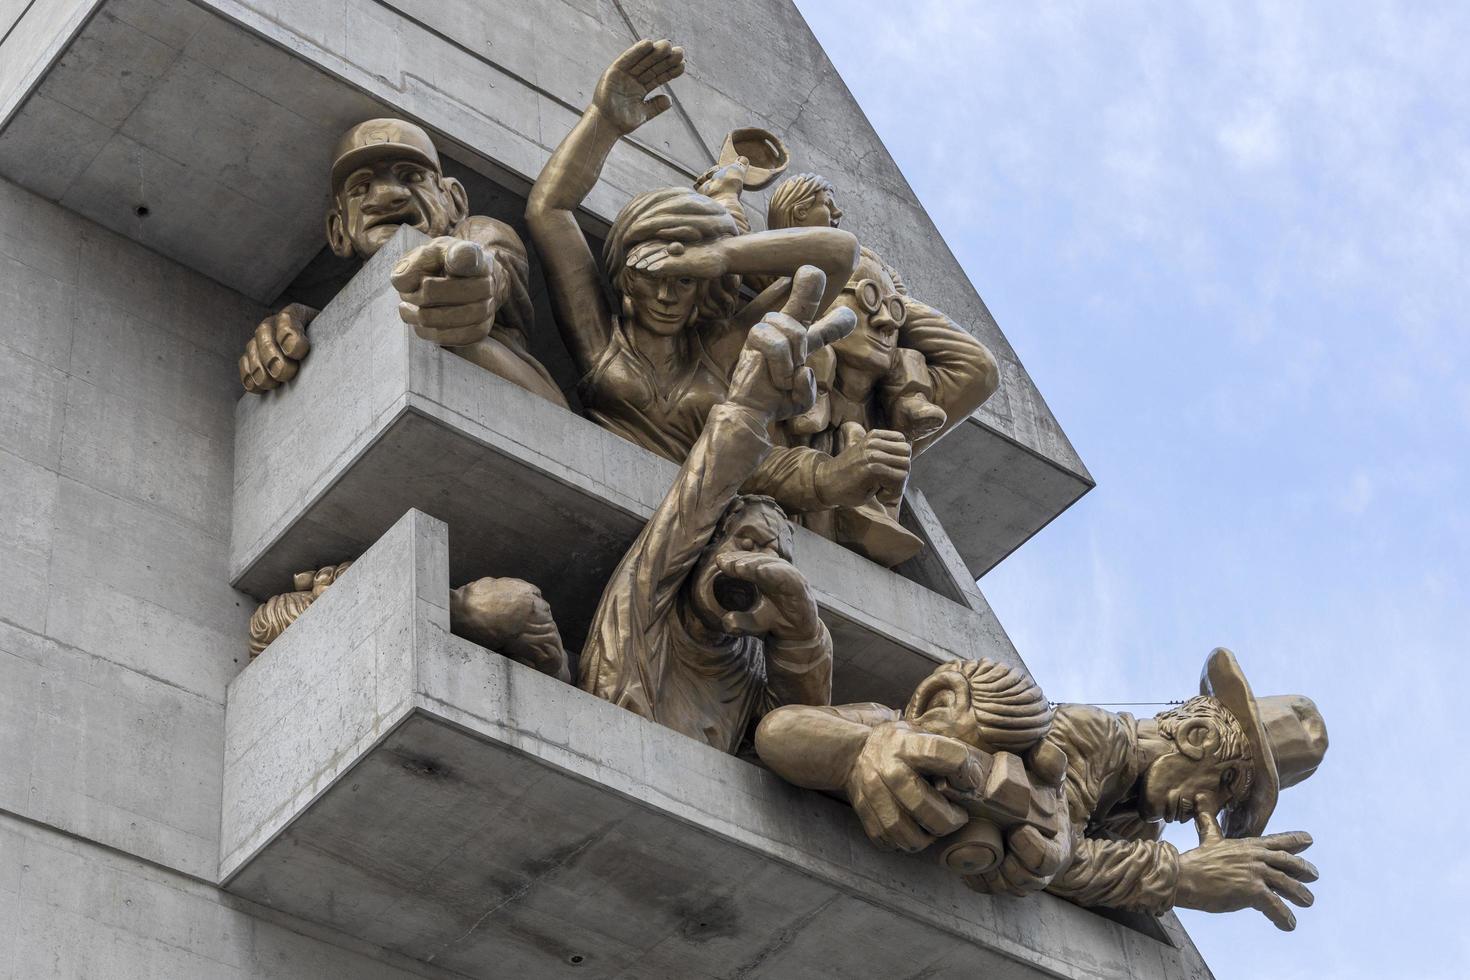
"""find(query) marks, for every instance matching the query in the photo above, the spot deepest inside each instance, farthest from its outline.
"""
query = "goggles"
(870, 298)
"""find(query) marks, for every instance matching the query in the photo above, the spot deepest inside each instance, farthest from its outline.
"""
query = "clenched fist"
(510, 616)
(273, 355)
(449, 291)
(871, 463)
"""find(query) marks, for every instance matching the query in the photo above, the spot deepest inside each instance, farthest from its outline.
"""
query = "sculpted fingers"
(451, 291)
(291, 324)
(465, 259)
(939, 755)
(1275, 909)
(426, 260)
(1299, 868)
(838, 323)
(1290, 889)
(922, 802)
(1291, 843)
(807, 287)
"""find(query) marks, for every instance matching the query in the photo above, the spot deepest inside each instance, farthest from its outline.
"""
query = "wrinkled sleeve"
(798, 673)
(646, 582)
(963, 371)
(1136, 875)
(789, 474)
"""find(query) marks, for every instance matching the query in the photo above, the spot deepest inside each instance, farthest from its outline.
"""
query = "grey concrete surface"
(71, 910)
(469, 812)
(160, 104)
(118, 628)
(379, 421)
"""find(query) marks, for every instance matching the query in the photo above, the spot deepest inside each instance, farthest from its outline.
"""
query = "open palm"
(622, 92)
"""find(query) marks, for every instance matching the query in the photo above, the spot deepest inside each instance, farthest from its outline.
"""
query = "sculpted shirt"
(639, 654)
(1117, 859)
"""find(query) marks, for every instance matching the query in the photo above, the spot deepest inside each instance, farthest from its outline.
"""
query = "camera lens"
(734, 594)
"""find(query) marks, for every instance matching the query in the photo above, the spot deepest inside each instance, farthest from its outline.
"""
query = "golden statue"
(1072, 800)
(467, 290)
(657, 327)
(907, 373)
(706, 625)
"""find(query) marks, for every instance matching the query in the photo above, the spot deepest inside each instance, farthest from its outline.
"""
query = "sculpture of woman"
(654, 365)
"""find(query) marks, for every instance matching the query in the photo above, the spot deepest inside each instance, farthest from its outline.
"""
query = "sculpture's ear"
(799, 212)
(1196, 736)
(337, 232)
(944, 694)
(458, 197)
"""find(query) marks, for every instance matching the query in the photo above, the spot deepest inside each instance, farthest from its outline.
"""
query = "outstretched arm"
(963, 371)
(619, 106)
(769, 253)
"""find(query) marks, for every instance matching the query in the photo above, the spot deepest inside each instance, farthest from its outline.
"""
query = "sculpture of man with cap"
(467, 290)
(907, 774)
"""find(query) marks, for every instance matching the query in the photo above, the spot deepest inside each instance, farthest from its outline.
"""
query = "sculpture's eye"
(685, 282)
(357, 189)
(1227, 778)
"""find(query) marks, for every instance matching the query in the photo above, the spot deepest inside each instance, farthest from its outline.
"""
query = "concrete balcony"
(380, 421)
(203, 129)
(397, 783)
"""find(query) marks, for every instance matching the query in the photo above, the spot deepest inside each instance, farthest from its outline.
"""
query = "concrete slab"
(389, 780)
(379, 421)
(216, 117)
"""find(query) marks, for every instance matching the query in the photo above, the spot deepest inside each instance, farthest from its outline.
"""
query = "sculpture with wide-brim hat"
(1287, 736)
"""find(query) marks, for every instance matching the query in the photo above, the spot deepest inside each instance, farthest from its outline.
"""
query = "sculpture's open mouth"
(733, 594)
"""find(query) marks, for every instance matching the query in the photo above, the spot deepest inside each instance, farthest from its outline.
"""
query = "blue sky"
(1229, 242)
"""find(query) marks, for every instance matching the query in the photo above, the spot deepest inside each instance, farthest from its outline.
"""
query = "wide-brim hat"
(1287, 736)
(370, 141)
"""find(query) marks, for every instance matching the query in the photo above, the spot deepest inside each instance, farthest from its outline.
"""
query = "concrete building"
(379, 798)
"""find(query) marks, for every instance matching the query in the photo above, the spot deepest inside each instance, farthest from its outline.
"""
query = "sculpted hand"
(874, 462)
(899, 807)
(677, 259)
(273, 355)
(622, 92)
(510, 616)
(726, 180)
(771, 375)
(788, 611)
(449, 290)
(1223, 875)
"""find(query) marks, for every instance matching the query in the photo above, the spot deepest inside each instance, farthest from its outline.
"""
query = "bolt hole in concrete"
(575, 958)
(141, 210)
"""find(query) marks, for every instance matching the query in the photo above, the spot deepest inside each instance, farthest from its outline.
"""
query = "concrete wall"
(118, 630)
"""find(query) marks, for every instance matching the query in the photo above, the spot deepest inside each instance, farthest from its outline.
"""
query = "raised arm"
(620, 105)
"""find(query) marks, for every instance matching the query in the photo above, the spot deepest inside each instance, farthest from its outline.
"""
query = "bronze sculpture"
(271, 617)
(1122, 779)
(906, 373)
(658, 357)
(706, 625)
(467, 290)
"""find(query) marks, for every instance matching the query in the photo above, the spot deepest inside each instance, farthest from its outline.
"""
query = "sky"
(1229, 243)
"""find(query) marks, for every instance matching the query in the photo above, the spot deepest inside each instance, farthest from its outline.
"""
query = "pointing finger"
(426, 260)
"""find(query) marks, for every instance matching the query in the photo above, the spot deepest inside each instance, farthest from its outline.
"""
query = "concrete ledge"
(379, 421)
(391, 781)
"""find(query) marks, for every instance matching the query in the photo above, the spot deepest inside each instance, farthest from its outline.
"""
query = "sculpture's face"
(757, 528)
(661, 304)
(1175, 783)
(375, 199)
(821, 213)
(868, 350)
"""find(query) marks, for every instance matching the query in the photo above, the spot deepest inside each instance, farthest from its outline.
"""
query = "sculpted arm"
(618, 107)
(1137, 875)
(963, 371)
